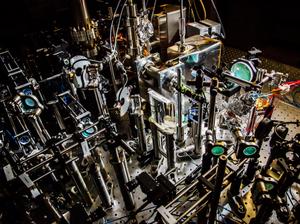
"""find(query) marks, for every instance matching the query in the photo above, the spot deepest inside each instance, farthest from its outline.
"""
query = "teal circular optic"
(217, 150)
(193, 59)
(88, 132)
(249, 151)
(242, 71)
(30, 102)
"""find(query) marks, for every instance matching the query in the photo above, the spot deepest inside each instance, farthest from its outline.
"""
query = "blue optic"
(29, 102)
(24, 140)
(27, 91)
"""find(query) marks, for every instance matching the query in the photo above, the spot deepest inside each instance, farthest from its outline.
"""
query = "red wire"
(292, 83)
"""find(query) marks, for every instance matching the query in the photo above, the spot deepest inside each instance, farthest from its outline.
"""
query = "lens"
(24, 140)
(192, 59)
(217, 150)
(86, 120)
(27, 91)
(249, 151)
(88, 132)
(29, 102)
(269, 186)
(242, 71)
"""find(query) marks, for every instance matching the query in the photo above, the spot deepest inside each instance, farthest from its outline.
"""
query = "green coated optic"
(249, 151)
(242, 71)
(217, 150)
(269, 186)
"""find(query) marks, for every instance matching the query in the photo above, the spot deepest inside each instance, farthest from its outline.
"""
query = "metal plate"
(118, 213)
(283, 112)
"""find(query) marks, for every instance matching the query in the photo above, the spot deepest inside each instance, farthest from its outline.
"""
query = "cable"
(219, 18)
(118, 26)
(112, 24)
(192, 11)
(152, 14)
(196, 10)
(204, 10)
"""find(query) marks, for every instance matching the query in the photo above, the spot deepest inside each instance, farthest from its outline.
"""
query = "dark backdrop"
(273, 26)
(269, 25)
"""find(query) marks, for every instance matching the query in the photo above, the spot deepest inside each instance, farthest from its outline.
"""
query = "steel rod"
(214, 202)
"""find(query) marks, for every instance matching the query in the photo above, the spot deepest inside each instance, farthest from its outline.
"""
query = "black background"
(272, 26)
